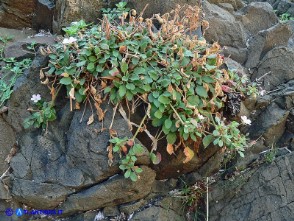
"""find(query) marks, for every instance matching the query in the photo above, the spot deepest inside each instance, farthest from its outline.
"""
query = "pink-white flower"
(36, 98)
(200, 117)
(70, 40)
(262, 92)
(245, 120)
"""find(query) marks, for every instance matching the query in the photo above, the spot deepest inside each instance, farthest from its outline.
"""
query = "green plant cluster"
(11, 70)
(131, 151)
(285, 17)
(178, 75)
(42, 116)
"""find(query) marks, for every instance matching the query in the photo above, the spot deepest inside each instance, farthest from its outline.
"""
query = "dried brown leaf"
(189, 154)
(170, 149)
(100, 112)
(91, 120)
(72, 93)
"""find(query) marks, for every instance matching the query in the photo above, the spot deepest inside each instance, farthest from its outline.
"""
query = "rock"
(277, 64)
(173, 166)
(226, 6)
(111, 211)
(167, 209)
(17, 14)
(68, 11)
(235, 4)
(43, 15)
(270, 124)
(282, 6)
(281, 34)
(106, 194)
(16, 34)
(25, 86)
(20, 49)
(130, 208)
(155, 7)
(257, 16)
(7, 141)
(4, 191)
(264, 193)
(238, 54)
(32, 194)
(223, 27)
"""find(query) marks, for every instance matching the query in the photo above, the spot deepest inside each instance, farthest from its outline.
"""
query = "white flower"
(200, 117)
(262, 92)
(245, 120)
(36, 97)
(69, 40)
(74, 23)
(99, 216)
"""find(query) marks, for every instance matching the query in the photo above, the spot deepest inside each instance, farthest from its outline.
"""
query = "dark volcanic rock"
(115, 191)
(257, 16)
(265, 193)
(39, 195)
(17, 14)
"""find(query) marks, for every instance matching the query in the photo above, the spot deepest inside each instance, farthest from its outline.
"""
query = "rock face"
(281, 6)
(107, 194)
(17, 14)
(263, 194)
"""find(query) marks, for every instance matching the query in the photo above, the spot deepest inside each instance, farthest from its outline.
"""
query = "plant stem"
(144, 118)
(54, 97)
(177, 114)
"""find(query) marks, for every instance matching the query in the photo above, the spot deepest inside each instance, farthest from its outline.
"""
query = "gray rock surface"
(264, 193)
(257, 16)
(270, 124)
(223, 27)
(7, 142)
(107, 194)
(17, 14)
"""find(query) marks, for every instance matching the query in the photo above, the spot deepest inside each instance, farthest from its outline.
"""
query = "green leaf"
(81, 63)
(168, 123)
(171, 138)
(193, 100)
(155, 158)
(200, 90)
(127, 173)
(122, 167)
(216, 133)
(221, 143)
(138, 149)
(130, 86)
(207, 140)
(91, 66)
(129, 95)
(134, 177)
(104, 46)
(99, 68)
(163, 99)
(208, 79)
(65, 81)
(92, 58)
(158, 114)
(124, 66)
(122, 90)
(139, 70)
(138, 170)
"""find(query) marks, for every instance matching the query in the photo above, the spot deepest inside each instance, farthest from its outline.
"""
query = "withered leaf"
(170, 149)
(72, 93)
(189, 154)
(100, 112)
(93, 90)
(91, 120)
